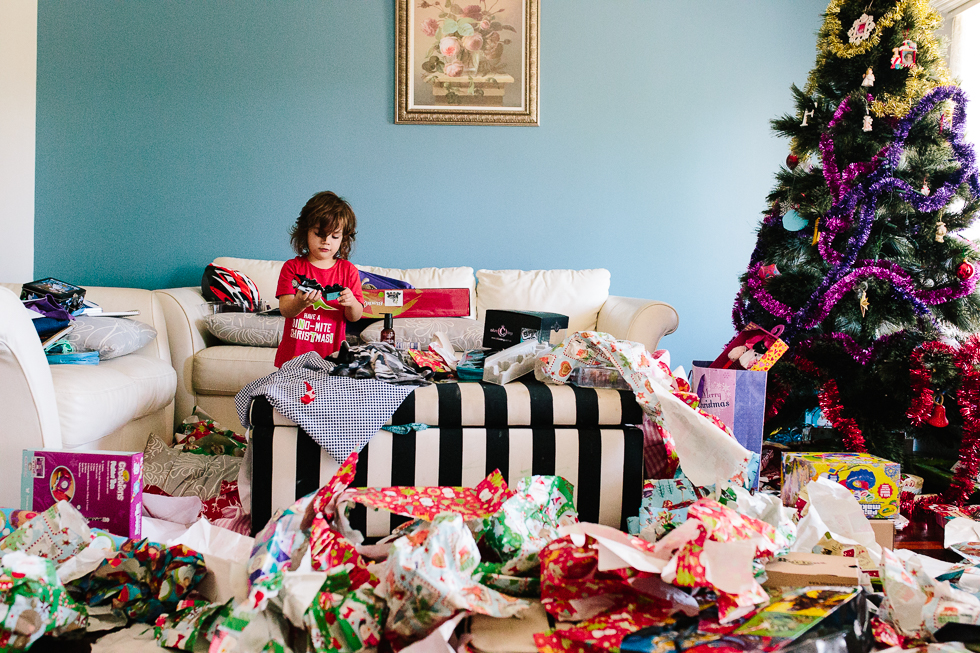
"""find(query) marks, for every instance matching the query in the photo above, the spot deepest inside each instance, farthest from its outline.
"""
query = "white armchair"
(115, 405)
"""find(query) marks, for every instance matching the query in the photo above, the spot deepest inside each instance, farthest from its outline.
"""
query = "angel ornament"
(867, 123)
(940, 231)
(869, 78)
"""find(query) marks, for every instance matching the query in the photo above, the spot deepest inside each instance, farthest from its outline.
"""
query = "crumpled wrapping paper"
(428, 579)
(529, 520)
(57, 534)
(716, 548)
(426, 503)
(608, 582)
(33, 602)
(706, 448)
(144, 579)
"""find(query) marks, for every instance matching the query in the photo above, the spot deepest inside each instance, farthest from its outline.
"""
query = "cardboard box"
(417, 302)
(805, 569)
(504, 329)
(884, 532)
(105, 486)
(873, 481)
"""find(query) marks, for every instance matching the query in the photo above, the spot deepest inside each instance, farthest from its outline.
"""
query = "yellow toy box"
(873, 481)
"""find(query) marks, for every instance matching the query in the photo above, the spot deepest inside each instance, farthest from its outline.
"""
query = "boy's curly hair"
(325, 213)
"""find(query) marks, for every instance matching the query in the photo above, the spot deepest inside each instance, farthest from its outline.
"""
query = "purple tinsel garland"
(846, 214)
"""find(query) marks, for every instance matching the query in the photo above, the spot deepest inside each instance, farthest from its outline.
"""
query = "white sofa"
(210, 373)
(114, 405)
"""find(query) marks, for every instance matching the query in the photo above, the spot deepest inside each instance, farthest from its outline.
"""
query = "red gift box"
(417, 302)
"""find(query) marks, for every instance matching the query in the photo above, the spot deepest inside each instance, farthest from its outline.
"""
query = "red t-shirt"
(315, 329)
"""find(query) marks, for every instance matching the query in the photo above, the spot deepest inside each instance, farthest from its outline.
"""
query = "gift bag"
(737, 398)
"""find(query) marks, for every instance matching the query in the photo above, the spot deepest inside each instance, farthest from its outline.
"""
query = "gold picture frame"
(466, 62)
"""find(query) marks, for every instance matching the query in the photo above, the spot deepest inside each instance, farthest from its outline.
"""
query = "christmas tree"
(858, 256)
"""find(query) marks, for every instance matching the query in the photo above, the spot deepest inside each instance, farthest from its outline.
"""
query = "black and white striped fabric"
(605, 465)
(525, 402)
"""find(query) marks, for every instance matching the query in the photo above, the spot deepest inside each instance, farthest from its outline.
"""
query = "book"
(50, 341)
(88, 308)
(118, 313)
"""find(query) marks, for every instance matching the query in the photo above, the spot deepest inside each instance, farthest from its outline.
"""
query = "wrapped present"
(873, 481)
(428, 579)
(33, 602)
(417, 302)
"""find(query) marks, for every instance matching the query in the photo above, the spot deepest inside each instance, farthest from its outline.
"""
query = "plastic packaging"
(598, 377)
(513, 362)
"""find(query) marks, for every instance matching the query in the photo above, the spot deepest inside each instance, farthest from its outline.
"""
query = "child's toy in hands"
(327, 293)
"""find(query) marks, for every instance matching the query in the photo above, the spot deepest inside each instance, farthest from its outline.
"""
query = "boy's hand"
(347, 298)
(309, 297)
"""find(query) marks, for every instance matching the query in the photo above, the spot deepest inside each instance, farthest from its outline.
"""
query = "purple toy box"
(105, 486)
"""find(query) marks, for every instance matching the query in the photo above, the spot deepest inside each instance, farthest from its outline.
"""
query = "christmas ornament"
(938, 417)
(869, 78)
(792, 161)
(965, 271)
(904, 55)
(925, 187)
(861, 29)
(767, 271)
(864, 303)
(867, 124)
(940, 231)
(792, 221)
(816, 232)
(807, 114)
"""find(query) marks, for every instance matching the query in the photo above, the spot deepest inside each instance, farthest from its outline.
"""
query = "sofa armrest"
(184, 310)
(639, 320)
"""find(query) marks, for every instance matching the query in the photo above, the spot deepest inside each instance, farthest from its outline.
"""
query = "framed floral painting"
(462, 62)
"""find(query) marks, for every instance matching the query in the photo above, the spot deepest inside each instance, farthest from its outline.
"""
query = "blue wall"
(170, 132)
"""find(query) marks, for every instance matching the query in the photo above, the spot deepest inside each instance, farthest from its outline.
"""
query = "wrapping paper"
(33, 602)
(962, 530)
(716, 549)
(527, 521)
(144, 579)
(706, 448)
(427, 502)
(428, 579)
(193, 621)
(57, 534)
(226, 556)
(11, 519)
(664, 505)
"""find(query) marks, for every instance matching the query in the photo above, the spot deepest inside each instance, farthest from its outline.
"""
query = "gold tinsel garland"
(926, 19)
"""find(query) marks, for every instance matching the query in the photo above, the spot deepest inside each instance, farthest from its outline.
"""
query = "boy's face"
(324, 246)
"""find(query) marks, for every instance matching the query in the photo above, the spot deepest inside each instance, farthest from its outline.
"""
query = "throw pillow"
(579, 294)
(246, 328)
(463, 332)
(186, 474)
(110, 336)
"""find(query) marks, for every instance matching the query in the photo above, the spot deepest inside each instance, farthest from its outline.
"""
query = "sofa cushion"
(463, 332)
(94, 400)
(246, 329)
(112, 337)
(226, 369)
(461, 277)
(579, 294)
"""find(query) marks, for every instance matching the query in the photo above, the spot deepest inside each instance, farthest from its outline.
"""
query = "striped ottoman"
(583, 434)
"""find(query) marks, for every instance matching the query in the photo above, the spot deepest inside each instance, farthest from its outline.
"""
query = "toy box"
(416, 302)
(873, 481)
(105, 486)
(503, 329)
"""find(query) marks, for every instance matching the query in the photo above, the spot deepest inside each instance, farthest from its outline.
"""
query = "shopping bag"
(737, 398)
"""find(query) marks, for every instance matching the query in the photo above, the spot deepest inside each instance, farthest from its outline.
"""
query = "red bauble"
(965, 271)
(938, 417)
(792, 161)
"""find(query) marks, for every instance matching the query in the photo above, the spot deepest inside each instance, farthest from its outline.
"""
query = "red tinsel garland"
(829, 399)
(921, 406)
(967, 360)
